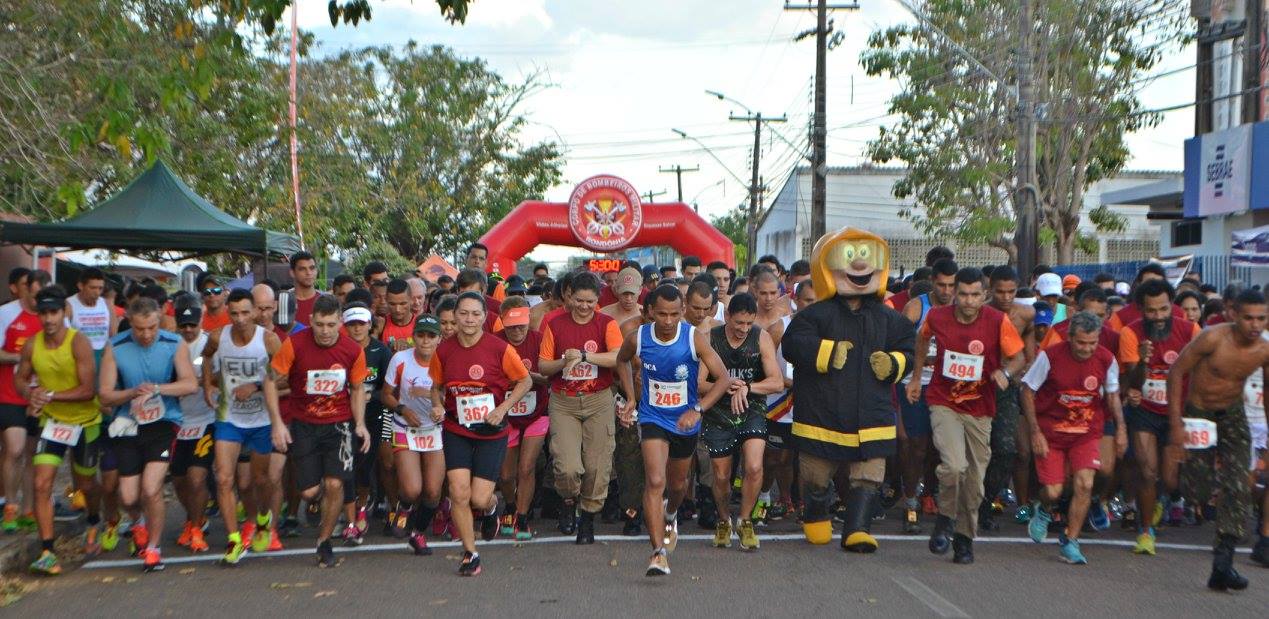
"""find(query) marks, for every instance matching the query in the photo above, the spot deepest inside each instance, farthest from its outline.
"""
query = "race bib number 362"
(474, 409)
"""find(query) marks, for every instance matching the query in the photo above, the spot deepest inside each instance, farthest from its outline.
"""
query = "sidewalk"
(18, 550)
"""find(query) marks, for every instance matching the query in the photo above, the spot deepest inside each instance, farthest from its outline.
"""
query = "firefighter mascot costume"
(848, 350)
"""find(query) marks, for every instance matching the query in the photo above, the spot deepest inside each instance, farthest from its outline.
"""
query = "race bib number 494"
(474, 409)
(325, 382)
(962, 366)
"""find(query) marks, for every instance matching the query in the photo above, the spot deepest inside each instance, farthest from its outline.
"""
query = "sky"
(623, 74)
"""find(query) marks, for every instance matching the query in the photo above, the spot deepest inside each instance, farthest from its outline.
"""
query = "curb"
(17, 553)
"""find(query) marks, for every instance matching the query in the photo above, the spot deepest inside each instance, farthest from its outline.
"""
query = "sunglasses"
(207, 292)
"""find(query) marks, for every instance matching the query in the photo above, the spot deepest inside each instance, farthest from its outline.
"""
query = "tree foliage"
(734, 224)
(956, 121)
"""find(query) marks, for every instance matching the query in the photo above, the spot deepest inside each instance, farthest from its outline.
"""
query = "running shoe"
(248, 531)
(722, 534)
(47, 564)
(182, 540)
(140, 539)
(1128, 522)
(889, 496)
(401, 523)
(240, 512)
(211, 509)
(440, 522)
(489, 523)
(632, 527)
(62, 514)
(671, 540)
(10, 524)
(1069, 550)
(313, 513)
(419, 544)
(660, 564)
(760, 510)
(78, 502)
(151, 560)
(521, 529)
(197, 541)
(260, 537)
(1038, 527)
(748, 536)
(1023, 515)
(1145, 543)
(91, 545)
(388, 522)
(470, 565)
(352, 536)
(1176, 513)
(326, 555)
(929, 506)
(779, 510)
(110, 537)
(507, 525)
(362, 522)
(1097, 517)
(911, 522)
(234, 550)
(26, 522)
(1157, 516)
(275, 540)
(1008, 496)
(290, 527)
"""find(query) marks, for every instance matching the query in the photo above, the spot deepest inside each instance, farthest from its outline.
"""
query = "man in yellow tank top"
(56, 376)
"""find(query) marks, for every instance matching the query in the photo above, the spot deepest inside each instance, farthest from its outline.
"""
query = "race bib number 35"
(962, 366)
(525, 406)
(64, 433)
(474, 409)
(325, 382)
(667, 395)
(1199, 433)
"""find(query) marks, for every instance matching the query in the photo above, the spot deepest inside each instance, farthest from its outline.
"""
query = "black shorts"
(482, 456)
(779, 435)
(153, 443)
(681, 447)
(195, 452)
(14, 416)
(1141, 420)
(374, 421)
(320, 451)
(723, 438)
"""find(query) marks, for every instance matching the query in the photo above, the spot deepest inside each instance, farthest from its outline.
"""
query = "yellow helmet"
(858, 259)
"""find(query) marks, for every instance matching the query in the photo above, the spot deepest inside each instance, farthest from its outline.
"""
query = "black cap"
(189, 315)
(49, 299)
(515, 285)
(427, 323)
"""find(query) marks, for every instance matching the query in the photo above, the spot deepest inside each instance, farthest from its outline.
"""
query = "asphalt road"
(552, 577)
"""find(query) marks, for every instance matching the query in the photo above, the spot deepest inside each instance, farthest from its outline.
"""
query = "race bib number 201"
(1155, 391)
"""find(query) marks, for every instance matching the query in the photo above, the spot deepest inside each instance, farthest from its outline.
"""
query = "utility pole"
(678, 171)
(755, 184)
(1026, 240)
(819, 130)
(648, 196)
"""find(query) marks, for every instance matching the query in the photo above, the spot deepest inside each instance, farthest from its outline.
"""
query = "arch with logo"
(604, 214)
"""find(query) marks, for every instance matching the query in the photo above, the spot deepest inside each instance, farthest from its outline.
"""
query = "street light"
(722, 97)
(684, 135)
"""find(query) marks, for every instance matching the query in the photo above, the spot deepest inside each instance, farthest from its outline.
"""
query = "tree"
(734, 224)
(955, 128)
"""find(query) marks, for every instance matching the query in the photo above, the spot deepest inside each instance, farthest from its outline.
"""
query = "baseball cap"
(428, 323)
(1122, 289)
(356, 312)
(515, 285)
(515, 317)
(628, 280)
(651, 272)
(1049, 284)
(189, 315)
(1043, 313)
(1070, 281)
(49, 299)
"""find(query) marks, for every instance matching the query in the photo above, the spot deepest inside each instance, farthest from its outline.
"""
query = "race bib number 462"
(325, 382)
(582, 371)
(962, 366)
(474, 409)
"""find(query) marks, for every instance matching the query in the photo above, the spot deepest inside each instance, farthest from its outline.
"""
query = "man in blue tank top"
(668, 407)
(144, 373)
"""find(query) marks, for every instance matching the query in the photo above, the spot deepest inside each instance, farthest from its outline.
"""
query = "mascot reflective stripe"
(847, 349)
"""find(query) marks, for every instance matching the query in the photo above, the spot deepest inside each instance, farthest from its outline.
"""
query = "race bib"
(149, 410)
(64, 433)
(191, 433)
(419, 439)
(325, 382)
(667, 395)
(1199, 433)
(1155, 391)
(474, 409)
(525, 406)
(962, 366)
(933, 352)
(582, 371)
(1254, 391)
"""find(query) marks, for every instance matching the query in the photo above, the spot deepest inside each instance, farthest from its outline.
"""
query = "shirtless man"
(1006, 427)
(765, 287)
(629, 282)
(1218, 360)
(559, 300)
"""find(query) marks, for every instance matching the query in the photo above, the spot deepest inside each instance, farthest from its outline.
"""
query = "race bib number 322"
(325, 382)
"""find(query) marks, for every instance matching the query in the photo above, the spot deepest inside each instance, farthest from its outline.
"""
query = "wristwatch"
(583, 356)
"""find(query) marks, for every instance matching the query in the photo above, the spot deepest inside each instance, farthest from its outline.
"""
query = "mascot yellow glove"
(840, 353)
(888, 367)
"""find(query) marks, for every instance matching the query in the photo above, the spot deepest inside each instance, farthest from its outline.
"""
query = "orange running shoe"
(275, 541)
(152, 560)
(140, 538)
(197, 543)
(248, 531)
(186, 533)
(928, 506)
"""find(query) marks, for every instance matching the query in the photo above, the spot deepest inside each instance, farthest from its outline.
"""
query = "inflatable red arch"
(604, 214)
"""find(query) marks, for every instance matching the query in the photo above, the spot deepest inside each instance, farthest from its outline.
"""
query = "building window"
(1187, 232)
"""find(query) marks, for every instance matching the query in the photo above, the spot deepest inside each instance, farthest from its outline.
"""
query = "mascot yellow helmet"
(850, 262)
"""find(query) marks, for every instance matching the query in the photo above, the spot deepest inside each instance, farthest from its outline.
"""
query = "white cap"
(1049, 284)
(357, 314)
(1121, 289)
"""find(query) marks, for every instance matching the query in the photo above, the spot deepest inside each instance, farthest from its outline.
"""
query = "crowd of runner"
(651, 396)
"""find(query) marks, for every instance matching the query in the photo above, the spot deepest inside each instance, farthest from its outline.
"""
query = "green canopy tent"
(157, 211)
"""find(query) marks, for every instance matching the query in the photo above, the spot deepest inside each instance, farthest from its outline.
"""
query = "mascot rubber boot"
(859, 508)
(817, 523)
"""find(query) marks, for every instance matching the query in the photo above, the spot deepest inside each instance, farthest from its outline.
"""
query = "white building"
(862, 197)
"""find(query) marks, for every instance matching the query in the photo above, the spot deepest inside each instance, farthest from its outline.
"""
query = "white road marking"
(936, 602)
(559, 539)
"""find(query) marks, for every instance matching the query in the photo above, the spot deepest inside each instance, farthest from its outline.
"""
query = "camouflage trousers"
(1004, 443)
(1222, 471)
(628, 464)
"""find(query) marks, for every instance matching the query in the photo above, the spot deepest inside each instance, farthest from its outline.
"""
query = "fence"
(1214, 270)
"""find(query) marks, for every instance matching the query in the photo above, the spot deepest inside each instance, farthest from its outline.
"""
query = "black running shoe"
(470, 565)
(489, 524)
(326, 555)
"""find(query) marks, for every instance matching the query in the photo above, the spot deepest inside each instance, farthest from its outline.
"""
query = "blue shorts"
(915, 417)
(258, 440)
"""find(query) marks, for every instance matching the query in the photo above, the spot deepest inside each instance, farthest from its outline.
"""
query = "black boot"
(940, 537)
(585, 528)
(962, 549)
(1224, 576)
(568, 517)
(632, 528)
(987, 518)
(1260, 554)
(860, 504)
(611, 511)
(706, 512)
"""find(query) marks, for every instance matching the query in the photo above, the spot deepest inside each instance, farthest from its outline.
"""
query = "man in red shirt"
(325, 372)
(579, 350)
(304, 275)
(1065, 397)
(215, 314)
(979, 351)
(398, 330)
(18, 323)
(476, 380)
